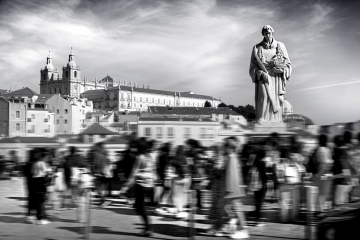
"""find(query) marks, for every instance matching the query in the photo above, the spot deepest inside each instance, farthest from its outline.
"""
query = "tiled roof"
(192, 110)
(164, 119)
(21, 92)
(42, 98)
(28, 140)
(97, 129)
(154, 91)
(116, 140)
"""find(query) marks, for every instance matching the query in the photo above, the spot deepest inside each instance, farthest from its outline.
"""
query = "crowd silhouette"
(163, 178)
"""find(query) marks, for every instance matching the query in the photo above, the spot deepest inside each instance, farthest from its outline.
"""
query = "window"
(57, 111)
(83, 112)
(140, 99)
(17, 114)
(32, 116)
(97, 119)
(153, 100)
(91, 138)
(147, 132)
(67, 74)
(187, 132)
(57, 121)
(170, 132)
(18, 127)
(210, 133)
(48, 128)
(202, 133)
(159, 132)
(146, 99)
(32, 128)
(49, 117)
(66, 111)
(75, 74)
(65, 121)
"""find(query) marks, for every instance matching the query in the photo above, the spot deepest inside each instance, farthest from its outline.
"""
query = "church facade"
(109, 94)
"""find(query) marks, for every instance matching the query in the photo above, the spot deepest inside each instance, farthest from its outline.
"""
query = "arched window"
(44, 76)
(75, 74)
(67, 74)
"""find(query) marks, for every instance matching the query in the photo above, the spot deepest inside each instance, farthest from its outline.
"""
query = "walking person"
(258, 184)
(143, 179)
(39, 171)
(180, 183)
(30, 187)
(235, 190)
(323, 177)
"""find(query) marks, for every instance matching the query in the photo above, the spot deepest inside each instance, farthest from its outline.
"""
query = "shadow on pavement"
(172, 230)
(14, 213)
(122, 211)
(103, 230)
(8, 219)
(18, 198)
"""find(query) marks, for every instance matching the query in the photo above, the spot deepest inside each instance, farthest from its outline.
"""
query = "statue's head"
(268, 32)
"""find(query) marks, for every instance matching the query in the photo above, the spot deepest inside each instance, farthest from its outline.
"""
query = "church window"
(67, 74)
(44, 76)
(75, 74)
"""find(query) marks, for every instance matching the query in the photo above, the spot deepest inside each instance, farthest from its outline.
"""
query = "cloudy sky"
(198, 45)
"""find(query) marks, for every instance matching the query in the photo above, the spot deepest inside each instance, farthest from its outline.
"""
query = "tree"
(222, 105)
(207, 104)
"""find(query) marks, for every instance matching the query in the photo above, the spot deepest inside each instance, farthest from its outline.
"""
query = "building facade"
(69, 112)
(121, 98)
(178, 130)
(69, 82)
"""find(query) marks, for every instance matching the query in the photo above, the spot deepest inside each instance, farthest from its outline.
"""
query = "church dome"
(287, 108)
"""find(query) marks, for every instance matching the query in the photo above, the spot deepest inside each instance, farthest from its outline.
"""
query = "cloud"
(329, 85)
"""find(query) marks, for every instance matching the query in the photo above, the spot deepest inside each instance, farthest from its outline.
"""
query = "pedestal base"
(270, 127)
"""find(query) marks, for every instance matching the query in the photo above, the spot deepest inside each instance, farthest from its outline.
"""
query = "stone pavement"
(116, 221)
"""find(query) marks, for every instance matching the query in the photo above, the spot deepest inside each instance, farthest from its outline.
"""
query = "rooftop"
(173, 119)
(192, 110)
(97, 129)
(153, 91)
(28, 140)
(24, 92)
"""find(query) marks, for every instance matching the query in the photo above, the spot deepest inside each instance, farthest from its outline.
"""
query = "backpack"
(313, 163)
(255, 183)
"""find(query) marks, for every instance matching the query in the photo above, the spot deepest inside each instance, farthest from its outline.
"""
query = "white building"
(178, 130)
(70, 113)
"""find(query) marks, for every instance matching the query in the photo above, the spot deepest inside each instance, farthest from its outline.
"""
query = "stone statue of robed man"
(270, 69)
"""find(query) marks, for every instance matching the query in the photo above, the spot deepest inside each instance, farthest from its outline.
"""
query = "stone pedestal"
(270, 127)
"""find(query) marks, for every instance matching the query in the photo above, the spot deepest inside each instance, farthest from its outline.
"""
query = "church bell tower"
(72, 76)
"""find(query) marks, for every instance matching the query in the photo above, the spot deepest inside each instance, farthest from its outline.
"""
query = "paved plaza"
(116, 221)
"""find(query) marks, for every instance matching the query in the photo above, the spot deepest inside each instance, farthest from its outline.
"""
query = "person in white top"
(39, 172)
(323, 178)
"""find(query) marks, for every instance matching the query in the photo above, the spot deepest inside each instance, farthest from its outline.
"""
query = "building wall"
(15, 121)
(205, 132)
(118, 100)
(69, 114)
(40, 123)
(4, 118)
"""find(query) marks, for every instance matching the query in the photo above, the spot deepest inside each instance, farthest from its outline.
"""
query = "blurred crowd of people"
(158, 177)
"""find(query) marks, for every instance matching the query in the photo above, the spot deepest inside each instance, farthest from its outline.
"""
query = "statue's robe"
(265, 112)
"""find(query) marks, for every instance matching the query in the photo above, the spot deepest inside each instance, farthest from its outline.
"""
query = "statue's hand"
(278, 70)
(265, 77)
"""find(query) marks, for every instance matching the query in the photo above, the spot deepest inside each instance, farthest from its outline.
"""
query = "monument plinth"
(270, 127)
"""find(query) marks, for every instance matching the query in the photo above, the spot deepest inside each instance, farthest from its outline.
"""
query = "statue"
(270, 69)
